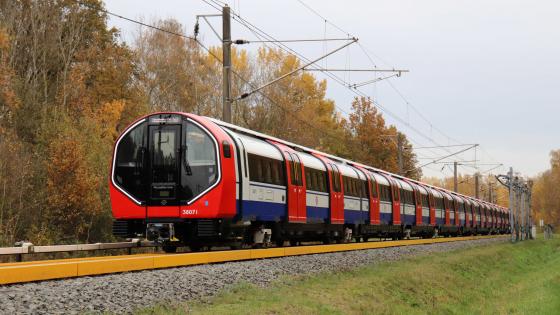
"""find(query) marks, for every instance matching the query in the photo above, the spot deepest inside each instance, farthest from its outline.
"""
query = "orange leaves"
(107, 118)
(71, 186)
(3, 39)
(546, 192)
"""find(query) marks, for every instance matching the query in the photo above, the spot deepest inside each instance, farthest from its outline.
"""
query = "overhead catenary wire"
(218, 59)
(244, 95)
(260, 33)
(205, 48)
(244, 41)
(367, 52)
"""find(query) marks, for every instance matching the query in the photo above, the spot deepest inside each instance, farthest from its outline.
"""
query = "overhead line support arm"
(244, 95)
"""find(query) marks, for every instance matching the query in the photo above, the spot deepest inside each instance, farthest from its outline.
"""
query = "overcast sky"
(483, 72)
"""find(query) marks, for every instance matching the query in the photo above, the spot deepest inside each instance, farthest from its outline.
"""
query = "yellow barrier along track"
(77, 267)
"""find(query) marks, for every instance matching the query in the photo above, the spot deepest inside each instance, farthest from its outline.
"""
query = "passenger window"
(323, 181)
(265, 170)
(308, 180)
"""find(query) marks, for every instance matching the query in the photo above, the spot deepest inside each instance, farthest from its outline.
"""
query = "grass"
(521, 278)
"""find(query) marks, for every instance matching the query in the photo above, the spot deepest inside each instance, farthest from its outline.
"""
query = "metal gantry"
(519, 205)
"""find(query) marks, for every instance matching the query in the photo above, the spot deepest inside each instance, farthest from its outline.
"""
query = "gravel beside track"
(122, 293)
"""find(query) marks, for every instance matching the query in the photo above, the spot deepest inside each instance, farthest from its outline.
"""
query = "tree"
(68, 87)
(373, 143)
(546, 192)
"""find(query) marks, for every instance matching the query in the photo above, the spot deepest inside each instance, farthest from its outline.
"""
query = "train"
(182, 179)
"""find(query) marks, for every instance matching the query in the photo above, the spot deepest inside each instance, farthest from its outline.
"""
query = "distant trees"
(373, 143)
(488, 186)
(68, 87)
(546, 192)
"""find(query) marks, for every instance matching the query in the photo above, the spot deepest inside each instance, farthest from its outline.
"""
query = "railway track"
(20, 272)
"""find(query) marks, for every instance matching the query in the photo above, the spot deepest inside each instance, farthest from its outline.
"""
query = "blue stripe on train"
(355, 216)
(426, 220)
(317, 214)
(263, 211)
(408, 219)
(386, 218)
(440, 221)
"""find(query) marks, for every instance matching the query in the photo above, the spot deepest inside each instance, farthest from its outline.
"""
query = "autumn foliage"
(69, 85)
(546, 193)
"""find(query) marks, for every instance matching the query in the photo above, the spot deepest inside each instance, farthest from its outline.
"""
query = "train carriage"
(182, 179)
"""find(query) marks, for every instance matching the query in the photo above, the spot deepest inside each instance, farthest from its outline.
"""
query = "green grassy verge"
(519, 278)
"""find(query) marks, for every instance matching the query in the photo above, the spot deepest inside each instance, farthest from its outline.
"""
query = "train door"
(295, 184)
(446, 205)
(301, 191)
(432, 205)
(395, 197)
(374, 206)
(163, 175)
(337, 195)
(295, 187)
(467, 213)
(417, 204)
(457, 214)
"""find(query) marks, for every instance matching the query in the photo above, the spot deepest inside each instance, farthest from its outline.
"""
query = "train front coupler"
(160, 233)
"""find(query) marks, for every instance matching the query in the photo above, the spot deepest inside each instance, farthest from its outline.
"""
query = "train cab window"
(130, 162)
(200, 163)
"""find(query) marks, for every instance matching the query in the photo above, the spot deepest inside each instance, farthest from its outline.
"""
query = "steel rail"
(20, 272)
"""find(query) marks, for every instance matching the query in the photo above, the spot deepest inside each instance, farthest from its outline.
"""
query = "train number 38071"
(189, 212)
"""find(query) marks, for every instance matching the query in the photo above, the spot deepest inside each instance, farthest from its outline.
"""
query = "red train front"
(173, 178)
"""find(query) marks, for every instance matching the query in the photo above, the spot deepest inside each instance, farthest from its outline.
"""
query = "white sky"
(482, 72)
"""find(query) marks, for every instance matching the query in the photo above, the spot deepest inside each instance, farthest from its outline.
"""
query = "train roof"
(335, 158)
